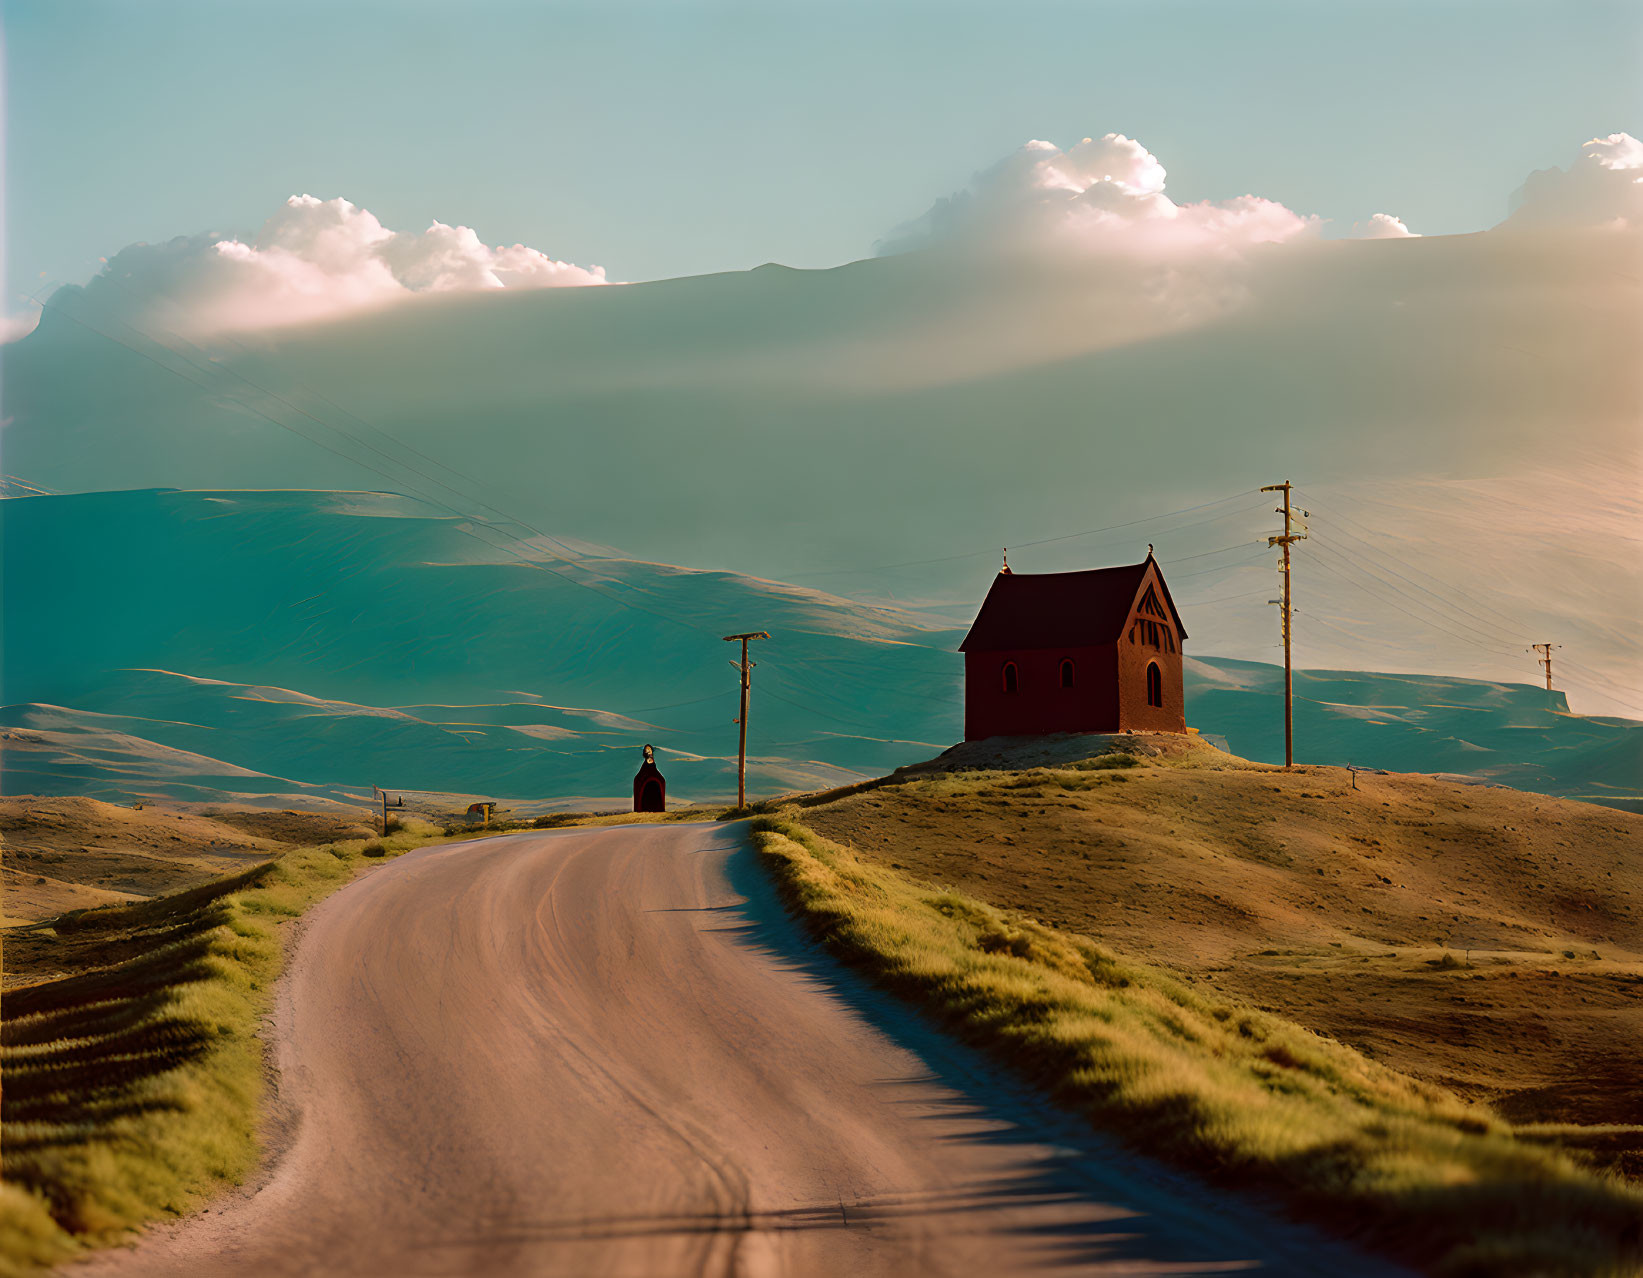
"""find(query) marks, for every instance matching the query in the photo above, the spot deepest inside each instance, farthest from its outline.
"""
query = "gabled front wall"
(1041, 704)
(1132, 661)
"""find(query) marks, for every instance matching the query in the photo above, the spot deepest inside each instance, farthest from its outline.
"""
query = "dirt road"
(607, 1052)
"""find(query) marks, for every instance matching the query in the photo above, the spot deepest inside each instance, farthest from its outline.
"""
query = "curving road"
(607, 1052)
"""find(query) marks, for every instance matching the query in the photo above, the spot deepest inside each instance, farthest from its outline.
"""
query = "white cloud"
(1382, 226)
(1603, 187)
(15, 327)
(314, 259)
(1106, 191)
(1617, 151)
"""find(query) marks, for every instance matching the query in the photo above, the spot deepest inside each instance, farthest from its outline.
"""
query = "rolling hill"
(1487, 941)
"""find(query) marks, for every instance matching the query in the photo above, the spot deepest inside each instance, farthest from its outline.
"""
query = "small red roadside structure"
(1096, 651)
(649, 786)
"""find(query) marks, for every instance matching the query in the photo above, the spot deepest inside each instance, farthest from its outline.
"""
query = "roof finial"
(1006, 567)
(1149, 550)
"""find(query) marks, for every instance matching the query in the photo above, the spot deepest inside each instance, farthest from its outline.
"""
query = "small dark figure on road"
(649, 786)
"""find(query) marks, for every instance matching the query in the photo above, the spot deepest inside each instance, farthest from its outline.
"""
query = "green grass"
(132, 1087)
(1243, 1097)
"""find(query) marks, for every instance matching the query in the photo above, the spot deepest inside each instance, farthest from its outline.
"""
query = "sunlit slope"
(1481, 938)
(299, 643)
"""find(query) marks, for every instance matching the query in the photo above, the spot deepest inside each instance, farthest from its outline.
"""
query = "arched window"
(1067, 672)
(1155, 685)
(1012, 679)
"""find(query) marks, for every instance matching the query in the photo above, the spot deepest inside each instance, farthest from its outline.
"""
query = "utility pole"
(746, 668)
(1545, 650)
(1285, 541)
(383, 795)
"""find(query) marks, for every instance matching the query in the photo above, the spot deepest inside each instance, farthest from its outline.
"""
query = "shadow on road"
(1137, 1216)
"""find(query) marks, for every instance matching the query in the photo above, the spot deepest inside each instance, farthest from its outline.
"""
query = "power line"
(1324, 564)
(1595, 685)
(1511, 625)
(1237, 563)
(1477, 638)
(1181, 559)
(1205, 603)
(34, 490)
(1587, 684)
(1593, 674)
(1509, 632)
(679, 705)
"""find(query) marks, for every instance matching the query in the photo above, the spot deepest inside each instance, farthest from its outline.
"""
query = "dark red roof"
(1061, 609)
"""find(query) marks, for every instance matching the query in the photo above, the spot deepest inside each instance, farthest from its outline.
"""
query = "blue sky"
(683, 138)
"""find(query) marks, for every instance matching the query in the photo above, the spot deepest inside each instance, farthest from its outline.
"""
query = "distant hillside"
(364, 639)
(1507, 733)
(307, 645)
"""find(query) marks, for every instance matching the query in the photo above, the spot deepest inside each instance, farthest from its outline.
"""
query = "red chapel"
(1095, 651)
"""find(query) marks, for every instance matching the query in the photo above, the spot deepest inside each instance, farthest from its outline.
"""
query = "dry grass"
(1483, 939)
(1243, 1096)
(65, 853)
(132, 1086)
